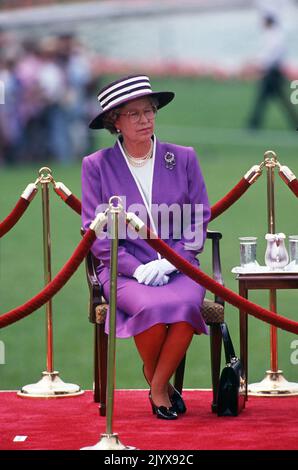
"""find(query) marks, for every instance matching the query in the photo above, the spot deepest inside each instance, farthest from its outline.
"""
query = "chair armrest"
(95, 288)
(216, 264)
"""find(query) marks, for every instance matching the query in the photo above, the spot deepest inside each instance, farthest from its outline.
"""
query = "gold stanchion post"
(51, 385)
(109, 440)
(274, 383)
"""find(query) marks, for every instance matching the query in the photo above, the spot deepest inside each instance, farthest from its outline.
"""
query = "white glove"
(154, 273)
(166, 266)
(148, 274)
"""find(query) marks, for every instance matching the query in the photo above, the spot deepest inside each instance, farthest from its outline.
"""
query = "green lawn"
(209, 115)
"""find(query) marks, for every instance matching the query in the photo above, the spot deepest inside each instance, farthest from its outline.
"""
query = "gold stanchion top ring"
(115, 204)
(45, 175)
(270, 159)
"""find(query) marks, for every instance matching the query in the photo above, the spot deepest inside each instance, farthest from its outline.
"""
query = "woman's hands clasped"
(154, 273)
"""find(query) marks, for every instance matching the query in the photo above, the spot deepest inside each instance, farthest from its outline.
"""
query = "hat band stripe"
(123, 91)
(122, 84)
(124, 88)
(143, 91)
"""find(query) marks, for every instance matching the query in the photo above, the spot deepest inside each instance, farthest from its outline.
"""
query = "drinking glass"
(248, 251)
(293, 248)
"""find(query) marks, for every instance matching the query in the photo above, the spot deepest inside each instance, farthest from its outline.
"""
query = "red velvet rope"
(73, 202)
(9, 222)
(54, 286)
(229, 199)
(293, 185)
(203, 279)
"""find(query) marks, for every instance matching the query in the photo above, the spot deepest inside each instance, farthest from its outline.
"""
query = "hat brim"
(163, 98)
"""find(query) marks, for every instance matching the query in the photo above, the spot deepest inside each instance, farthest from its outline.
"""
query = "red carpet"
(72, 423)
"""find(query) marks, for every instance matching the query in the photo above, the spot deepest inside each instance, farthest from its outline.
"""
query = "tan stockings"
(161, 348)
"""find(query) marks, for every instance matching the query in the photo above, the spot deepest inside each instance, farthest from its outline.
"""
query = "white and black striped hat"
(126, 89)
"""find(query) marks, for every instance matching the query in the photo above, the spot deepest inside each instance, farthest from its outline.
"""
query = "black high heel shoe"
(178, 405)
(162, 412)
(177, 401)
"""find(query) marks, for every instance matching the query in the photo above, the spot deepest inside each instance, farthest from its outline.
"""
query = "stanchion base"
(50, 386)
(109, 442)
(274, 384)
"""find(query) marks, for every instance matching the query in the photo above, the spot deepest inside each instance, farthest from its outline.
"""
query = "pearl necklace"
(138, 162)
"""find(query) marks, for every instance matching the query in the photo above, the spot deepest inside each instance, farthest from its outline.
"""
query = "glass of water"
(293, 248)
(248, 251)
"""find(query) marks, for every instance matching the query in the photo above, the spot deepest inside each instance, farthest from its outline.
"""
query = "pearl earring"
(118, 131)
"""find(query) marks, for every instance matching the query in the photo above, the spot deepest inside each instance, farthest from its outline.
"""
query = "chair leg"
(179, 375)
(100, 372)
(96, 392)
(215, 350)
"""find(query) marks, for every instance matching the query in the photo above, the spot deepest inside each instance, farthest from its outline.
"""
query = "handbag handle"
(228, 345)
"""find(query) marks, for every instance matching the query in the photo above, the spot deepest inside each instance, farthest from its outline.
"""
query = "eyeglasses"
(135, 116)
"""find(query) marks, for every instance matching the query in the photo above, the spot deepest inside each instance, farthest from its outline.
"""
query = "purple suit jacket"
(105, 173)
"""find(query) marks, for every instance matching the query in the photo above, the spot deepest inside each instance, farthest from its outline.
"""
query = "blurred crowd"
(49, 88)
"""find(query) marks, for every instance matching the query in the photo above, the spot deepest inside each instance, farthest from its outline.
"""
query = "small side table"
(271, 281)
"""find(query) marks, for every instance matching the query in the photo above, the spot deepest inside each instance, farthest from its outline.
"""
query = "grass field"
(209, 115)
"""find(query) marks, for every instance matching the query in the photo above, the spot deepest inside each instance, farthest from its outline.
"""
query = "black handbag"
(231, 390)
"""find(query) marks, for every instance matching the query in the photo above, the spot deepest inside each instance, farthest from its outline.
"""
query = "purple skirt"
(139, 307)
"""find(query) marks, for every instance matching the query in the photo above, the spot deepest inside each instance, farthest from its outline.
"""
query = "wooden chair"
(212, 311)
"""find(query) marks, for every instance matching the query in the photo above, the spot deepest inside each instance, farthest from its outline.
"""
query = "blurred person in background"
(2, 41)
(148, 173)
(75, 64)
(272, 82)
(55, 119)
(9, 46)
(31, 104)
(10, 123)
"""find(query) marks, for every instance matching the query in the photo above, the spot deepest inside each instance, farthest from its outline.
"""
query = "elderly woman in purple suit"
(156, 304)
